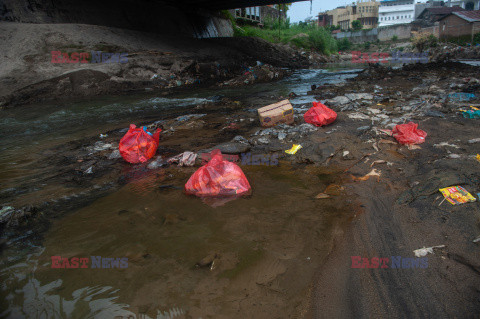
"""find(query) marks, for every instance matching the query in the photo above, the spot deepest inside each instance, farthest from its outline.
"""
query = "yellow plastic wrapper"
(294, 149)
(478, 157)
(456, 195)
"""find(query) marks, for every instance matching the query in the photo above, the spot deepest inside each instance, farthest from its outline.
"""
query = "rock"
(240, 139)
(115, 154)
(364, 128)
(473, 141)
(156, 163)
(230, 148)
(5, 213)
(263, 140)
(359, 96)
(281, 136)
(337, 101)
(434, 113)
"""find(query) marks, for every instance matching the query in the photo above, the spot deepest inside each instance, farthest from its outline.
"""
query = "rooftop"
(470, 16)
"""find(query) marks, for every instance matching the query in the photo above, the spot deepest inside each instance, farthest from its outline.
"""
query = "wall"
(359, 36)
(402, 31)
(151, 16)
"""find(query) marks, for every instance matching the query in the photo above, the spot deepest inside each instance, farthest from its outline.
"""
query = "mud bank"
(151, 62)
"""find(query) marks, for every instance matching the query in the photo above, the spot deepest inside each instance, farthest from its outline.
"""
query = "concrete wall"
(151, 16)
(359, 36)
(402, 31)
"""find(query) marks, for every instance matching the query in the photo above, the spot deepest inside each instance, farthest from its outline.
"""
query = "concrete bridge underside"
(228, 4)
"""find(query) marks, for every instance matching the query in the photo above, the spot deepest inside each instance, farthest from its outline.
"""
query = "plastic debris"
(184, 159)
(478, 157)
(409, 133)
(320, 115)
(103, 135)
(461, 96)
(218, 178)
(476, 240)
(294, 149)
(322, 196)
(137, 146)
(425, 250)
(373, 172)
(456, 195)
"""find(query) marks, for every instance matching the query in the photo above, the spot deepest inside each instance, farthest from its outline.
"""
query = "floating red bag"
(137, 146)
(409, 134)
(320, 115)
(218, 178)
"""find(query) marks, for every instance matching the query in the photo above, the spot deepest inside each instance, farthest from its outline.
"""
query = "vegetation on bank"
(302, 35)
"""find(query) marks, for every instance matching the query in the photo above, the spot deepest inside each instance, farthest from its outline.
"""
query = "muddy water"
(265, 248)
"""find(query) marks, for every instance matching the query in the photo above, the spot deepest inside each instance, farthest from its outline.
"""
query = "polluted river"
(255, 256)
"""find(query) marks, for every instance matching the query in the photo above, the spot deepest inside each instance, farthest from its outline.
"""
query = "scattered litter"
(386, 132)
(445, 144)
(294, 149)
(322, 196)
(156, 163)
(473, 141)
(103, 135)
(320, 115)
(345, 153)
(476, 240)
(358, 116)
(137, 146)
(373, 172)
(461, 96)
(184, 159)
(409, 133)
(89, 170)
(384, 141)
(218, 178)
(454, 156)
(478, 157)
(413, 147)
(115, 154)
(456, 195)
(425, 250)
(5, 213)
(378, 162)
(281, 112)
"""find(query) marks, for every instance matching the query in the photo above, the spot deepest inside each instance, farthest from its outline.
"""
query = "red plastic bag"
(320, 115)
(409, 134)
(137, 146)
(218, 178)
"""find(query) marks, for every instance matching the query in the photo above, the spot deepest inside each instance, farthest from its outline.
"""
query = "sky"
(301, 10)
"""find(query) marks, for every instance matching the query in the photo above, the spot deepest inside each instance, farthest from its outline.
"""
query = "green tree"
(356, 25)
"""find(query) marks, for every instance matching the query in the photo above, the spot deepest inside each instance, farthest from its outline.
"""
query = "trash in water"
(471, 114)
(218, 178)
(184, 159)
(281, 112)
(425, 250)
(137, 146)
(294, 149)
(373, 172)
(456, 195)
(320, 115)
(461, 96)
(409, 134)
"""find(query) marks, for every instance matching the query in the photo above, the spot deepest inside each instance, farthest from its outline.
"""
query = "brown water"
(265, 247)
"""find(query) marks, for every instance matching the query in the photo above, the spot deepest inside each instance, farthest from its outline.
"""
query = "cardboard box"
(273, 114)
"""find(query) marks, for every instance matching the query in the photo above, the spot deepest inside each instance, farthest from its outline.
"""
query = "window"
(398, 17)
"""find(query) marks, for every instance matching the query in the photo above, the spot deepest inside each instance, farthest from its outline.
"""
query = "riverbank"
(292, 232)
(151, 62)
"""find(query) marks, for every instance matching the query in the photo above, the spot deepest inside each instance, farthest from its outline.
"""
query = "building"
(460, 23)
(258, 15)
(465, 4)
(431, 15)
(393, 12)
(364, 11)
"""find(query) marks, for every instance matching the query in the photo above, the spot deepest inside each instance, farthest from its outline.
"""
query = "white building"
(393, 12)
(466, 4)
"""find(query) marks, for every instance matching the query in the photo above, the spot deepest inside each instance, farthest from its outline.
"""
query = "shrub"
(423, 41)
(366, 45)
(356, 25)
(394, 38)
(344, 44)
